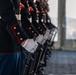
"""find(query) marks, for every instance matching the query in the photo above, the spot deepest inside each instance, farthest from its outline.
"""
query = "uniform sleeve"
(13, 28)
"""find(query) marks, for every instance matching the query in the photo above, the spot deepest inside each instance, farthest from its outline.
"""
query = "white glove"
(40, 39)
(44, 40)
(30, 45)
(47, 34)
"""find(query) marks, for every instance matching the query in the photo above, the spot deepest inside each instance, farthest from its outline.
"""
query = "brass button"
(28, 5)
(36, 8)
(37, 21)
(14, 27)
(21, 38)
(38, 27)
(48, 21)
(42, 20)
(18, 33)
(29, 27)
(32, 31)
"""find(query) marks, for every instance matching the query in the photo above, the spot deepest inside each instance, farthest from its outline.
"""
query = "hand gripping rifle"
(28, 62)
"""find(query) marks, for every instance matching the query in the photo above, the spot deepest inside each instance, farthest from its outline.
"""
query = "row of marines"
(25, 33)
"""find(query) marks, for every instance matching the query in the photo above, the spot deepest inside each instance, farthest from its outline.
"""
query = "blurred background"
(63, 15)
(63, 56)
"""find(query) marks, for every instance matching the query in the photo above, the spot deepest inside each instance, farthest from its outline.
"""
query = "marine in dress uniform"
(13, 41)
(32, 11)
(32, 15)
(28, 15)
(38, 6)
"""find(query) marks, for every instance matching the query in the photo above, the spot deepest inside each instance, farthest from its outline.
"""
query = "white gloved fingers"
(46, 35)
(36, 45)
(39, 39)
(43, 41)
(34, 49)
(30, 45)
(25, 43)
